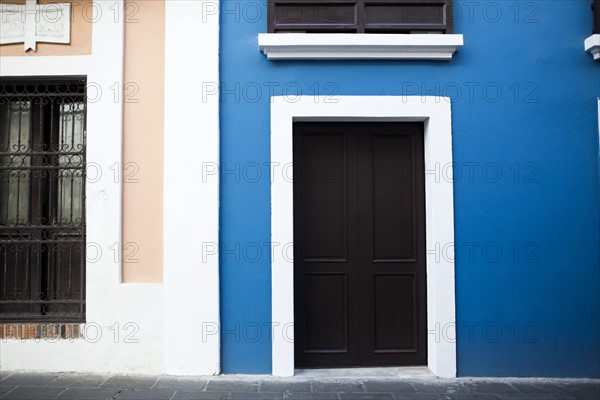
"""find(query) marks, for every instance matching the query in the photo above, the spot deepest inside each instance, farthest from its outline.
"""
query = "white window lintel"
(332, 46)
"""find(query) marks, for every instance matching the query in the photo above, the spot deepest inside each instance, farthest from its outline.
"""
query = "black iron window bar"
(360, 16)
(42, 192)
(596, 10)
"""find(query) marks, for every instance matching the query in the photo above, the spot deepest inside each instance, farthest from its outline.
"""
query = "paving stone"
(78, 380)
(365, 396)
(529, 387)
(229, 385)
(29, 379)
(310, 396)
(389, 386)
(440, 387)
(474, 396)
(583, 388)
(4, 374)
(586, 396)
(419, 396)
(537, 396)
(490, 387)
(187, 395)
(33, 393)
(180, 383)
(5, 389)
(127, 382)
(287, 386)
(347, 387)
(255, 396)
(88, 394)
(145, 394)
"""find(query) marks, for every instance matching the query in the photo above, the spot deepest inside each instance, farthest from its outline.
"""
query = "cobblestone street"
(65, 386)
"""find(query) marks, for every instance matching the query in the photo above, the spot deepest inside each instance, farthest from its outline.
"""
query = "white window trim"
(592, 46)
(332, 46)
(436, 114)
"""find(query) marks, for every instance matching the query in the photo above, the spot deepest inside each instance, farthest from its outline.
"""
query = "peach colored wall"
(81, 33)
(143, 141)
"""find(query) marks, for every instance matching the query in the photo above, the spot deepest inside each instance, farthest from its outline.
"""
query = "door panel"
(326, 313)
(359, 239)
(393, 221)
(393, 309)
(324, 183)
(392, 244)
(325, 247)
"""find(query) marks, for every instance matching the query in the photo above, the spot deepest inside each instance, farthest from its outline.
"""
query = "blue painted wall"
(525, 145)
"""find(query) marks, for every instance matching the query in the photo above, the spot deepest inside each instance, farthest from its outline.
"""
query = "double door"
(359, 244)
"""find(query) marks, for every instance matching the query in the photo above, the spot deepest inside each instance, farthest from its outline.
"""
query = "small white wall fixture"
(336, 46)
(592, 46)
(435, 112)
(31, 23)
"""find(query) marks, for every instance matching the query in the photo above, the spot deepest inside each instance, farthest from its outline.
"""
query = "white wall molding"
(331, 46)
(436, 113)
(592, 46)
(191, 198)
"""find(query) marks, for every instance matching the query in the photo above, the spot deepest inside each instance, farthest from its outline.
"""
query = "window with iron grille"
(42, 192)
(360, 16)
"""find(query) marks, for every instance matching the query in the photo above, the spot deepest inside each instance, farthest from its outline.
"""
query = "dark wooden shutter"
(360, 16)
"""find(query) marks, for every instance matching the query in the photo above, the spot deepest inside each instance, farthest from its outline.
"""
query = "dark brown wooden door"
(359, 244)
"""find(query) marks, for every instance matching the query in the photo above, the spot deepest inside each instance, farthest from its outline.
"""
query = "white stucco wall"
(191, 195)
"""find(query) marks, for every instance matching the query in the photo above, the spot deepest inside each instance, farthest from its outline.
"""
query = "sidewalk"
(63, 386)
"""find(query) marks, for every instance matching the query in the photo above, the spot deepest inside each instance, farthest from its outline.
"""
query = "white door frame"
(436, 114)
